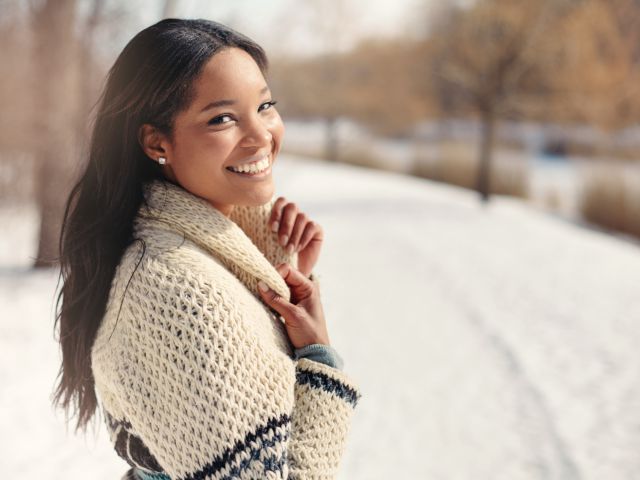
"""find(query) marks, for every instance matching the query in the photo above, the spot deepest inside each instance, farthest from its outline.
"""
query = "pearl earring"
(162, 160)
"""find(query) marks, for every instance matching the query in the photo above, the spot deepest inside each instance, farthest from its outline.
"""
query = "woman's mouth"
(259, 169)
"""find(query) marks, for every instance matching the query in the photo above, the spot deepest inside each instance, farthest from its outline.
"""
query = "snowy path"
(492, 343)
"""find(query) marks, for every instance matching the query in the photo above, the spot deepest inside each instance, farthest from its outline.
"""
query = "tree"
(318, 83)
(601, 55)
(55, 108)
(66, 80)
(495, 58)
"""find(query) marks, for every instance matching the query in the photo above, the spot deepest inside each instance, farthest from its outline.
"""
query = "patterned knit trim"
(272, 437)
(267, 446)
(322, 381)
(267, 438)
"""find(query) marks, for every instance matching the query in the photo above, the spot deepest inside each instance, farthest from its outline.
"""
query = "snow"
(489, 342)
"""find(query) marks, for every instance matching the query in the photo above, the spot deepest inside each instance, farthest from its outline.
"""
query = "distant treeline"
(558, 61)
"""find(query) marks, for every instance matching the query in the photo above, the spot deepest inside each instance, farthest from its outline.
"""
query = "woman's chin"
(259, 196)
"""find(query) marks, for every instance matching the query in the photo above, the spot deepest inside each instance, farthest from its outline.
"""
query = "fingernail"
(274, 226)
(290, 248)
(262, 286)
(283, 269)
(284, 239)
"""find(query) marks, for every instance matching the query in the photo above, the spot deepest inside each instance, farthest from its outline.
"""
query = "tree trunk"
(87, 95)
(488, 121)
(55, 107)
(331, 146)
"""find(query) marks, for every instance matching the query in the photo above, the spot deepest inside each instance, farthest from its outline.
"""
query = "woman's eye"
(271, 103)
(216, 121)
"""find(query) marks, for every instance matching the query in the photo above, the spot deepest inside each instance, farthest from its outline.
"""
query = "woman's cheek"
(277, 132)
(215, 147)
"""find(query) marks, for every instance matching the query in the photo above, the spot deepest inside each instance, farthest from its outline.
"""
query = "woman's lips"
(258, 175)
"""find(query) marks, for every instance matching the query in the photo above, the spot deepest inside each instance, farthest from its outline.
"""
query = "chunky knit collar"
(172, 207)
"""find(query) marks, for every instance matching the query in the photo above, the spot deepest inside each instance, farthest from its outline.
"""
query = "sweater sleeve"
(208, 401)
(325, 399)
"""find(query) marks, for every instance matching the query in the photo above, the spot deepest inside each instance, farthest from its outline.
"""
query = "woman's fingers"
(309, 232)
(277, 302)
(303, 315)
(276, 213)
(287, 220)
(297, 231)
(294, 230)
(301, 287)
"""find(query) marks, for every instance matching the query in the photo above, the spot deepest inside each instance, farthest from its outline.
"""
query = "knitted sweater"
(194, 373)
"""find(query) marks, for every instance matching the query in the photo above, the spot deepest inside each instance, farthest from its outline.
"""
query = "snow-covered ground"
(492, 343)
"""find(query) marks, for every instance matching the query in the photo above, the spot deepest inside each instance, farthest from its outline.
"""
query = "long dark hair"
(150, 82)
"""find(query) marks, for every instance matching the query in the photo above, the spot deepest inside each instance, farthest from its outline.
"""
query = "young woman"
(169, 233)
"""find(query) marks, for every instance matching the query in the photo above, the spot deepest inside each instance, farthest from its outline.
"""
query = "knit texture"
(195, 374)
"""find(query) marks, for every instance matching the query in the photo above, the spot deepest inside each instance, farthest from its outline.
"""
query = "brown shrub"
(457, 164)
(610, 197)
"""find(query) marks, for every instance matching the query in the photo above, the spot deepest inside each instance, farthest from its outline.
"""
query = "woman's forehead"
(229, 72)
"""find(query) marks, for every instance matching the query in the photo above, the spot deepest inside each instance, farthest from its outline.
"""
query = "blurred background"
(526, 112)
(539, 100)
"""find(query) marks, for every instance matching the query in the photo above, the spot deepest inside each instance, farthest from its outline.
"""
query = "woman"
(167, 235)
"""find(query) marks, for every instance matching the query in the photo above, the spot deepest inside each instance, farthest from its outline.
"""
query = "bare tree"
(491, 56)
(87, 66)
(68, 73)
(601, 75)
(55, 107)
(14, 69)
(330, 22)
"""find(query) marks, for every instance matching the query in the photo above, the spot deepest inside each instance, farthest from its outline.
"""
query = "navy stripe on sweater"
(130, 447)
(275, 431)
(324, 382)
(267, 442)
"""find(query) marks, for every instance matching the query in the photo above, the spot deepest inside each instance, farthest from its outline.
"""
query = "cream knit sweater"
(194, 373)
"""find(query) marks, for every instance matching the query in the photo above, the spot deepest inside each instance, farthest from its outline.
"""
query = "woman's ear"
(153, 142)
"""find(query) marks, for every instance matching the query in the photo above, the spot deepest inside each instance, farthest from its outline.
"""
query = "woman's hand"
(303, 316)
(297, 233)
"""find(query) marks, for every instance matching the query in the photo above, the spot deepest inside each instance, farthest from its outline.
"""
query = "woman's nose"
(257, 134)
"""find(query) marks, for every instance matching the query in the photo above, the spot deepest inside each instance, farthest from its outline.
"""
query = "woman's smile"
(256, 171)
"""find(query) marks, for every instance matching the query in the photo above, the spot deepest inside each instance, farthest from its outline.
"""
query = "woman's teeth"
(253, 168)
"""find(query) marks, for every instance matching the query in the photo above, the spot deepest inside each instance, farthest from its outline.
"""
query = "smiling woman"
(222, 149)
(190, 314)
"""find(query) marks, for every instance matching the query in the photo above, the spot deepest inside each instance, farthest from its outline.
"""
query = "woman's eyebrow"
(224, 103)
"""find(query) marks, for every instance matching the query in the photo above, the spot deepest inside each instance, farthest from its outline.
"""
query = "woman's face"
(230, 122)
